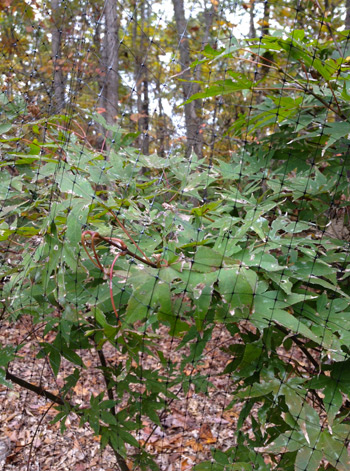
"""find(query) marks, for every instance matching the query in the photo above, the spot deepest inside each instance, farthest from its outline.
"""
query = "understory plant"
(110, 248)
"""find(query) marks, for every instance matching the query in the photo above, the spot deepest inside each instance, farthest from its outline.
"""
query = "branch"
(305, 89)
(324, 14)
(300, 344)
(33, 387)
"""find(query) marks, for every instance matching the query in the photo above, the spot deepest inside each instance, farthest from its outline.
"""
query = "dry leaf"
(186, 464)
(196, 446)
(136, 116)
(206, 435)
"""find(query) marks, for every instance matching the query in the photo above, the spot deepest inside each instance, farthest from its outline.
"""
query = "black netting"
(174, 235)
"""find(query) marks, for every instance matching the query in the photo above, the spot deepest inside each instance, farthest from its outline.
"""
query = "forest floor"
(191, 425)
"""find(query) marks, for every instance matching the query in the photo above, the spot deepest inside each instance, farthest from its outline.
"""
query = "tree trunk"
(161, 125)
(266, 19)
(192, 120)
(144, 121)
(267, 56)
(347, 17)
(112, 57)
(141, 78)
(144, 124)
(252, 30)
(58, 79)
(100, 39)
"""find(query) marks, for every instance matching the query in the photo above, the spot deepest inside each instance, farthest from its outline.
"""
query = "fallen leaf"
(136, 116)
(206, 435)
(196, 446)
(186, 465)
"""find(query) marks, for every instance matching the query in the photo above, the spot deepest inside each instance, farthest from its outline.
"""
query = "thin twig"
(120, 460)
(316, 2)
(35, 433)
(300, 344)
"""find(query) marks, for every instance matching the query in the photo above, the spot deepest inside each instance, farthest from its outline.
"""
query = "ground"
(190, 428)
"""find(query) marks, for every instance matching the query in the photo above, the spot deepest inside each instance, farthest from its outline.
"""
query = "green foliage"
(242, 243)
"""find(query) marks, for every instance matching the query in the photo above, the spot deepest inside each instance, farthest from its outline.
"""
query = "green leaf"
(128, 438)
(139, 305)
(5, 127)
(107, 404)
(108, 417)
(308, 458)
(71, 356)
(260, 389)
(334, 451)
(237, 285)
(290, 441)
(55, 360)
(223, 87)
(77, 185)
(100, 317)
(3, 379)
(332, 400)
(76, 219)
(336, 131)
(7, 354)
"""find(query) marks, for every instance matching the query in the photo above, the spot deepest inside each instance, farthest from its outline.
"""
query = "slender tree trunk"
(144, 121)
(161, 125)
(140, 58)
(112, 57)
(138, 55)
(347, 17)
(144, 124)
(58, 78)
(252, 30)
(141, 77)
(266, 19)
(192, 120)
(267, 56)
(100, 44)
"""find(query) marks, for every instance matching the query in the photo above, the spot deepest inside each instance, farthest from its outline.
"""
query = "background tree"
(110, 89)
(58, 21)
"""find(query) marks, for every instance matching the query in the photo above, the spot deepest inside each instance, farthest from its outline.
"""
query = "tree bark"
(144, 123)
(347, 16)
(192, 120)
(266, 19)
(141, 79)
(58, 78)
(267, 56)
(161, 124)
(112, 56)
(252, 30)
(100, 39)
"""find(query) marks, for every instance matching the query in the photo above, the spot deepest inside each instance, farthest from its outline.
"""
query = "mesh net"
(174, 235)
